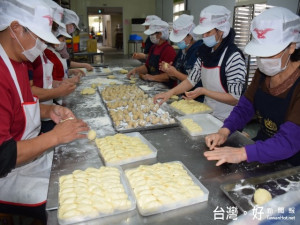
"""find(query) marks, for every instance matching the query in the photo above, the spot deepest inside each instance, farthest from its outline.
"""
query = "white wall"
(289, 4)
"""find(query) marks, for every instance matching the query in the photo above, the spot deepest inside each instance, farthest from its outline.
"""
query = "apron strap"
(12, 71)
(222, 57)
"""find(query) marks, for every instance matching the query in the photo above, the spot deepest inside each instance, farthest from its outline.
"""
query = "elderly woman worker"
(274, 94)
(220, 65)
(160, 51)
(148, 42)
(182, 34)
(25, 162)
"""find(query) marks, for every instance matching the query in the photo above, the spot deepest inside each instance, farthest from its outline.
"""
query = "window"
(178, 8)
(243, 16)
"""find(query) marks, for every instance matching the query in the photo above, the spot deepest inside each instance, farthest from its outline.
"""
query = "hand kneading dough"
(91, 135)
(88, 91)
(262, 196)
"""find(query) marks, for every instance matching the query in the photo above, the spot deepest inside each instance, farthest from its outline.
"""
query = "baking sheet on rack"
(178, 204)
(128, 191)
(136, 161)
(278, 183)
(207, 122)
(164, 108)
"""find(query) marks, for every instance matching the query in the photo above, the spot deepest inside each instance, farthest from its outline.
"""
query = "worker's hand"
(88, 67)
(194, 94)
(166, 67)
(70, 130)
(147, 77)
(76, 72)
(163, 97)
(217, 139)
(131, 73)
(65, 88)
(74, 79)
(139, 55)
(227, 154)
(60, 113)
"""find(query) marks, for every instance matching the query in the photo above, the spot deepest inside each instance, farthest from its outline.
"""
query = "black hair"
(296, 55)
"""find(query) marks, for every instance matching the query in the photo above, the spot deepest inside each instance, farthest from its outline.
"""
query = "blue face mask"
(182, 45)
(210, 41)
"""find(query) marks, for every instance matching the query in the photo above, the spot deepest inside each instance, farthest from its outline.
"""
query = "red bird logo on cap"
(175, 31)
(261, 33)
(201, 19)
(49, 18)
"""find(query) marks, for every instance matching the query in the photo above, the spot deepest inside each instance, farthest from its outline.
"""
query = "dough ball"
(262, 196)
(88, 91)
(111, 77)
(165, 66)
(91, 135)
(94, 85)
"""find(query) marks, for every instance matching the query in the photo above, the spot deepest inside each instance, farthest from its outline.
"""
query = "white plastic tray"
(136, 160)
(178, 204)
(128, 191)
(209, 123)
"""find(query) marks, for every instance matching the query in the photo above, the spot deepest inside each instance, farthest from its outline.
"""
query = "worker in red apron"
(160, 51)
(142, 56)
(273, 95)
(220, 65)
(26, 157)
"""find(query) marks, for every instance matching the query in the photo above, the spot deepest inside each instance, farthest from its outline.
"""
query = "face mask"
(153, 39)
(70, 29)
(182, 45)
(210, 41)
(60, 46)
(271, 67)
(32, 53)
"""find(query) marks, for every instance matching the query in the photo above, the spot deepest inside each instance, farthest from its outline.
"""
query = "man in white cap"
(220, 65)
(161, 51)
(273, 95)
(25, 162)
(48, 72)
(182, 34)
(148, 43)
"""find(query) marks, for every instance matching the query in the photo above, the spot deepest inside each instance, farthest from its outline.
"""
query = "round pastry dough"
(262, 196)
(111, 77)
(88, 91)
(91, 135)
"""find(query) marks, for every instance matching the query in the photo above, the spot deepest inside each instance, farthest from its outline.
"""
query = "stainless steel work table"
(173, 144)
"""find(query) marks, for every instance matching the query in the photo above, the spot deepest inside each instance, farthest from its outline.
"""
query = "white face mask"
(32, 53)
(60, 46)
(153, 39)
(271, 67)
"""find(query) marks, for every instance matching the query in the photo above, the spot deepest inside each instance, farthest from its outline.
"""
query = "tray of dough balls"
(200, 124)
(132, 110)
(256, 191)
(163, 187)
(124, 149)
(93, 193)
(187, 107)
